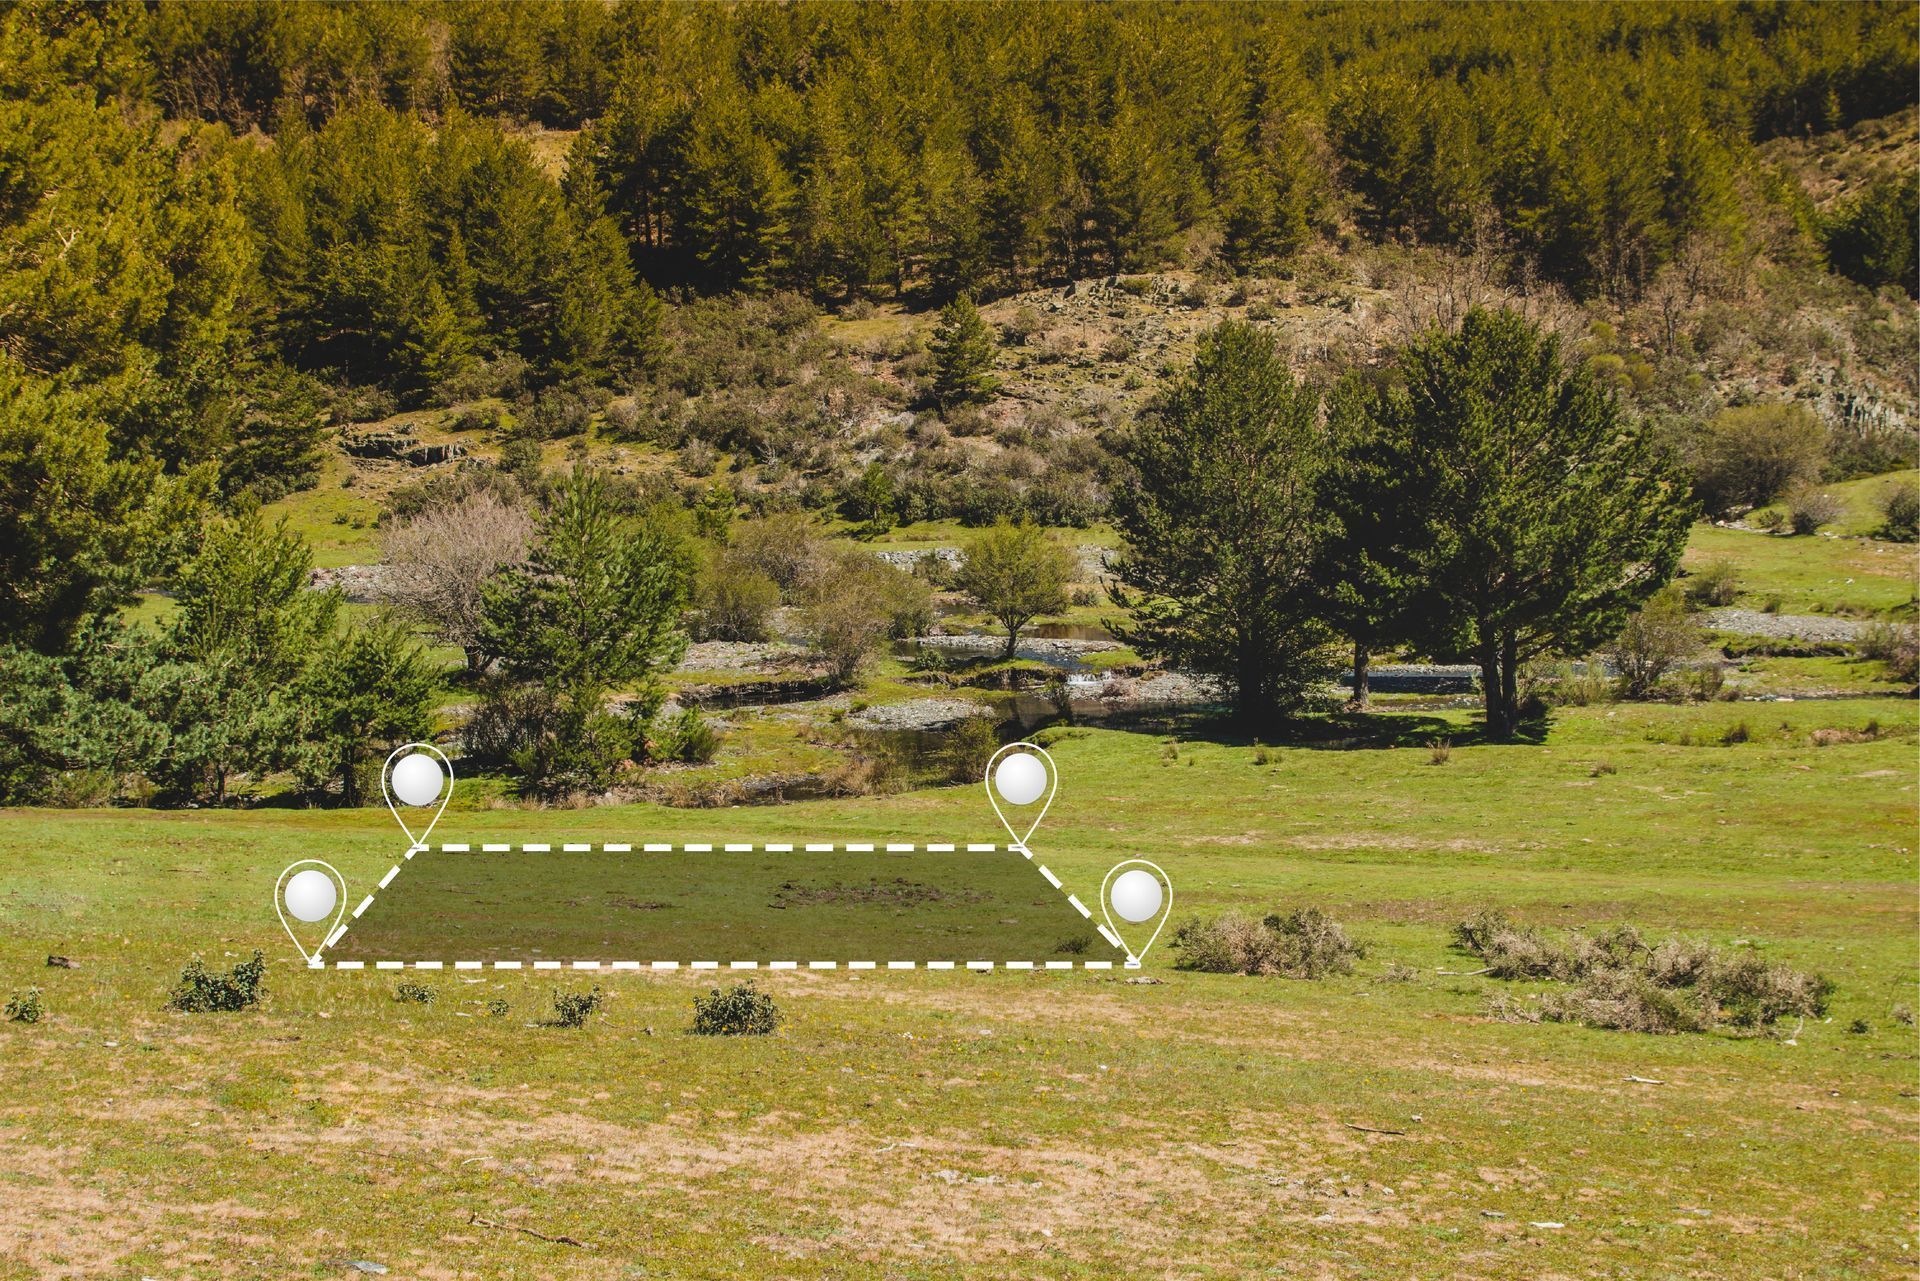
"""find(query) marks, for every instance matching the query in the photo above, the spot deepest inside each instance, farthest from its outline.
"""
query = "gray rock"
(1809, 627)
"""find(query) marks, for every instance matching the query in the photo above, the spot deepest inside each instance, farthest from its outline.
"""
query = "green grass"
(1864, 501)
(340, 522)
(1811, 574)
(954, 1125)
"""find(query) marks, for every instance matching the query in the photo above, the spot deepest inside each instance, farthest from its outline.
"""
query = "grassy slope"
(950, 1125)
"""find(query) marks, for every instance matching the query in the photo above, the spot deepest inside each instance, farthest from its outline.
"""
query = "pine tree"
(1544, 516)
(1223, 530)
(963, 356)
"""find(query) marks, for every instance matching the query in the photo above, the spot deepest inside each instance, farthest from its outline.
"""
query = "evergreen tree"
(362, 698)
(80, 531)
(1223, 530)
(963, 356)
(245, 634)
(596, 609)
(1367, 592)
(1544, 515)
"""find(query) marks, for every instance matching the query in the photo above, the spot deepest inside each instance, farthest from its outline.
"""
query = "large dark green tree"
(80, 530)
(1223, 527)
(1544, 515)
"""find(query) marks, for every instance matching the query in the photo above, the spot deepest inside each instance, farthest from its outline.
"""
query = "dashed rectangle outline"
(734, 847)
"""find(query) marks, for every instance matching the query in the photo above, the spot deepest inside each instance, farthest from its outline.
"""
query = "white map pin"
(1021, 774)
(308, 891)
(1137, 891)
(417, 774)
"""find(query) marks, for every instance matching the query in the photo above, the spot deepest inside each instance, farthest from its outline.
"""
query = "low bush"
(1809, 509)
(1716, 583)
(1302, 944)
(572, 1009)
(24, 1007)
(1900, 509)
(204, 991)
(733, 600)
(1616, 979)
(686, 738)
(1896, 646)
(741, 1010)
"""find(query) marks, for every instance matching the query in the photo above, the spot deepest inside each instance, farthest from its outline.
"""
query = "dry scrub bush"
(1618, 980)
(1302, 944)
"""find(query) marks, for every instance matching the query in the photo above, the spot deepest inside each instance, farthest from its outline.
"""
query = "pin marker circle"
(417, 779)
(1136, 891)
(310, 891)
(1020, 778)
(417, 775)
(1137, 896)
(310, 895)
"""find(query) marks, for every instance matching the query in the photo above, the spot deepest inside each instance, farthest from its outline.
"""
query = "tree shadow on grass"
(1334, 732)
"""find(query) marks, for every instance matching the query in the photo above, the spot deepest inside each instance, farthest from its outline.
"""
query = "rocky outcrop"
(400, 446)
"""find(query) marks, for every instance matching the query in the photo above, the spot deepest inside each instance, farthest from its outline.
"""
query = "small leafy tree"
(1017, 572)
(1749, 455)
(856, 603)
(1655, 640)
(871, 501)
(1222, 525)
(963, 356)
(439, 562)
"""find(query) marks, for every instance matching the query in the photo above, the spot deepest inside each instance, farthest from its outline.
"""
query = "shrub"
(968, 748)
(24, 1007)
(783, 546)
(572, 1009)
(1900, 506)
(1716, 583)
(1619, 980)
(1302, 944)
(734, 600)
(687, 738)
(1629, 1002)
(1750, 455)
(741, 1010)
(204, 991)
(1808, 509)
(415, 993)
(1895, 645)
(1654, 640)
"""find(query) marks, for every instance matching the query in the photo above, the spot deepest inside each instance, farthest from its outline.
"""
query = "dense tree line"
(1476, 497)
(212, 212)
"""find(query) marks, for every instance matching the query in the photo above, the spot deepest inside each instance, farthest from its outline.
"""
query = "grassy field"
(1059, 1125)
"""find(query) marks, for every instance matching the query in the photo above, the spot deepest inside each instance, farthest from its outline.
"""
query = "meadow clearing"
(1063, 1125)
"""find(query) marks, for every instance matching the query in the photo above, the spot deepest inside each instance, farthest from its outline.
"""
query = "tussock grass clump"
(204, 991)
(1302, 944)
(572, 1009)
(741, 1010)
(1619, 980)
(24, 1007)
